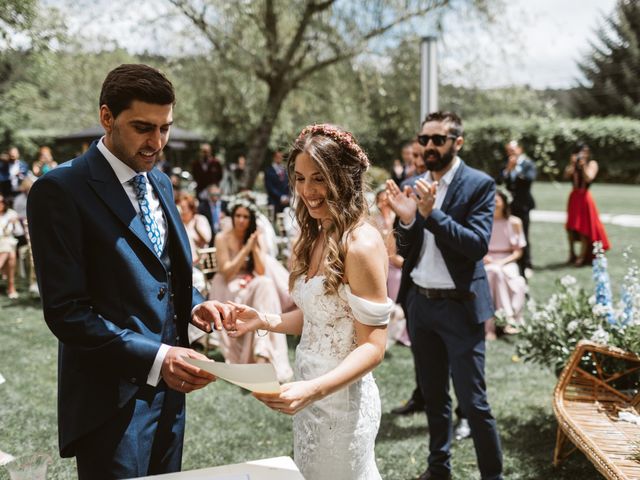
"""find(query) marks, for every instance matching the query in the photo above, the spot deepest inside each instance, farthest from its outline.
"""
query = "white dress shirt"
(125, 173)
(431, 271)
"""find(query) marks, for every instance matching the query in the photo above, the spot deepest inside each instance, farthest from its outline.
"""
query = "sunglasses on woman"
(438, 140)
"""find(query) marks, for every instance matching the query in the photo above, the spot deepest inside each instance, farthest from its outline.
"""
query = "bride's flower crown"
(235, 202)
(341, 137)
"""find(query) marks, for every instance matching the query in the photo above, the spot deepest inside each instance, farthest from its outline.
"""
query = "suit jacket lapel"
(174, 222)
(107, 186)
(453, 187)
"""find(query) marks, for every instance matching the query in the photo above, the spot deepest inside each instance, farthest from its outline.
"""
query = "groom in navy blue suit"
(445, 225)
(114, 269)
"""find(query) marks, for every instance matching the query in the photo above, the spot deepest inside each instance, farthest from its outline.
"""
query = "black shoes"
(411, 406)
(431, 476)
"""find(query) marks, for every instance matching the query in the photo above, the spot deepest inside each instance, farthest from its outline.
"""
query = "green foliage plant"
(571, 314)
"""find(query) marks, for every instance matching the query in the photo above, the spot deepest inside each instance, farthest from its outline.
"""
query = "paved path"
(561, 217)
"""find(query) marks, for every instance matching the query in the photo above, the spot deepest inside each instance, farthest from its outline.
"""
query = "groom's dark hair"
(135, 81)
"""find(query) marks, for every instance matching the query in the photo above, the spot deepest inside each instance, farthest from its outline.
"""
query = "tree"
(25, 35)
(283, 44)
(611, 69)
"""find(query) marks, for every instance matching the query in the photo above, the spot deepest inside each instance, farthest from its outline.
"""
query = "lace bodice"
(328, 330)
(333, 437)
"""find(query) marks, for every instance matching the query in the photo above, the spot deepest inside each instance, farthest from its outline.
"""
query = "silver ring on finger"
(182, 384)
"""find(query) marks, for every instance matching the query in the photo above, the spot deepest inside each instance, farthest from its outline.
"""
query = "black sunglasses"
(438, 140)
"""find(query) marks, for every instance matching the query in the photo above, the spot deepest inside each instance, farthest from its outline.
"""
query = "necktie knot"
(139, 183)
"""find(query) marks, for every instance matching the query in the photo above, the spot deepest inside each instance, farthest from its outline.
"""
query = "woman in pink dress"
(242, 277)
(385, 218)
(508, 287)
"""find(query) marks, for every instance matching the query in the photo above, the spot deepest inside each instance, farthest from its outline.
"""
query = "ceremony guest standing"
(18, 171)
(212, 209)
(277, 184)
(338, 281)
(206, 169)
(45, 162)
(114, 269)
(445, 225)
(583, 220)
(518, 176)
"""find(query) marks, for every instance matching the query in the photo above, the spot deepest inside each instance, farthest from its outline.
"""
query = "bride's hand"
(247, 319)
(293, 397)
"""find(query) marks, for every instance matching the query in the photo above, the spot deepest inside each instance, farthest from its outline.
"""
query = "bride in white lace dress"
(338, 282)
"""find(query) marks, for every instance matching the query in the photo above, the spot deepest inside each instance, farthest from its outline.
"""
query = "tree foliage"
(283, 44)
(611, 69)
(26, 35)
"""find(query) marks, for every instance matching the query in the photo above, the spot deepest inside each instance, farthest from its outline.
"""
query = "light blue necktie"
(139, 183)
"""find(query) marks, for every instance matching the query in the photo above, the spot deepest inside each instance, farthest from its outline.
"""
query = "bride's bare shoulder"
(365, 241)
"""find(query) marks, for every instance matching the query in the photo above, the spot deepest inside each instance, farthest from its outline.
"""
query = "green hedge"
(614, 142)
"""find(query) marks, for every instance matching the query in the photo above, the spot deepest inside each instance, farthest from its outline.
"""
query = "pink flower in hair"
(343, 138)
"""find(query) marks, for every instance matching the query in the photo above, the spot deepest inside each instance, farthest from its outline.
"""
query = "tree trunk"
(262, 133)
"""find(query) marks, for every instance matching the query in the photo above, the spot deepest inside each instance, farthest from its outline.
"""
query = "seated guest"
(196, 225)
(8, 223)
(508, 287)
(242, 278)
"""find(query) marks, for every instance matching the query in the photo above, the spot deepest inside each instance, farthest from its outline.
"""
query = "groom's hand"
(212, 312)
(182, 376)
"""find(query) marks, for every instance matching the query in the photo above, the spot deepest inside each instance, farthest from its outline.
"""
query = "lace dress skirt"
(333, 438)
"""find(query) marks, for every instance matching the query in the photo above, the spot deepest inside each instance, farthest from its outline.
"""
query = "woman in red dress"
(583, 221)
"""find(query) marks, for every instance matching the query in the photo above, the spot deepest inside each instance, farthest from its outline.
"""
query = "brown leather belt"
(439, 293)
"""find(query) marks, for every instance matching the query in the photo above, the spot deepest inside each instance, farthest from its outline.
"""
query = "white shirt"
(14, 175)
(125, 173)
(431, 271)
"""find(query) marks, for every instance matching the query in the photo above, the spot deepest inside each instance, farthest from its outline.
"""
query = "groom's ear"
(106, 118)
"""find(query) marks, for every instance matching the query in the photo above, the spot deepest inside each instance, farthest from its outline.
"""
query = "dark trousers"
(523, 214)
(448, 344)
(145, 438)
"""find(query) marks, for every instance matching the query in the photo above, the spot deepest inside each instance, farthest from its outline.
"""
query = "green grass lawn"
(225, 425)
(610, 198)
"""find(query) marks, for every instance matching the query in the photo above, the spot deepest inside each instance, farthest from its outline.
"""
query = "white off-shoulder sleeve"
(367, 312)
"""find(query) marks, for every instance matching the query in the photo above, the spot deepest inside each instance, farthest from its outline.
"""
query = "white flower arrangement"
(554, 327)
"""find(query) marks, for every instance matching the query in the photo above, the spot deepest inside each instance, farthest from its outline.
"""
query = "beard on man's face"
(436, 162)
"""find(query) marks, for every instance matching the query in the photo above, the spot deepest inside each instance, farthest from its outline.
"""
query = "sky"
(538, 44)
(552, 36)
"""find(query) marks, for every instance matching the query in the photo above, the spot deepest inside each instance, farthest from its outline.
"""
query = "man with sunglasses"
(445, 225)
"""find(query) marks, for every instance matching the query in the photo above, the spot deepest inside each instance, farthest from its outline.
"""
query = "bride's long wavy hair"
(342, 164)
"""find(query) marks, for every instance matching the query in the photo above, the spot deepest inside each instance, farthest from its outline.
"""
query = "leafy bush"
(572, 314)
(614, 142)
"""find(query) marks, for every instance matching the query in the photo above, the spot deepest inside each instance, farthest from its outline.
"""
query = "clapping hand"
(292, 398)
(426, 196)
(401, 202)
(252, 241)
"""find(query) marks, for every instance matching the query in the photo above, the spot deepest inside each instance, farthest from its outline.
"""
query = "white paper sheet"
(256, 377)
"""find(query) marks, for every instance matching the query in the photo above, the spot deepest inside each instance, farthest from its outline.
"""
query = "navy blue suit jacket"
(275, 186)
(104, 291)
(462, 229)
